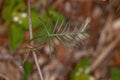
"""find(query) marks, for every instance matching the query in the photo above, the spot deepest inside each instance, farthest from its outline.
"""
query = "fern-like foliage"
(63, 34)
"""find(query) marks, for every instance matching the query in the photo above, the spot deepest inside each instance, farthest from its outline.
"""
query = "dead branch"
(32, 43)
(104, 54)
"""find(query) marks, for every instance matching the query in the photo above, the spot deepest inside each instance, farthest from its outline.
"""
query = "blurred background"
(97, 59)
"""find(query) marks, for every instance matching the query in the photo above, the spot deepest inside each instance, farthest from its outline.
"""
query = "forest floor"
(102, 46)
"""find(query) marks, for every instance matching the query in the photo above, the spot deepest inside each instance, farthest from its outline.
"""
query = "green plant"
(62, 33)
(81, 71)
(27, 70)
(15, 15)
(48, 26)
(115, 74)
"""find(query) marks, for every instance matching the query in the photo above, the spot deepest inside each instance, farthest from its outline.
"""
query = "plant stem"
(32, 43)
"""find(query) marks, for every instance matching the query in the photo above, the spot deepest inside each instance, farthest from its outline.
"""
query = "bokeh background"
(97, 59)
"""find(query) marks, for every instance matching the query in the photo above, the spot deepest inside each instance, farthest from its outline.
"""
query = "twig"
(26, 57)
(32, 43)
(1, 3)
(104, 53)
(103, 35)
(3, 76)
